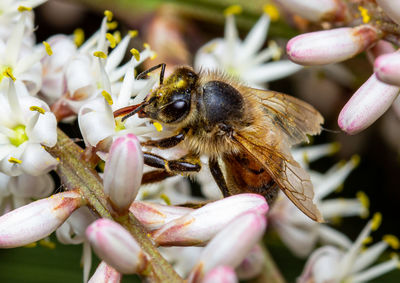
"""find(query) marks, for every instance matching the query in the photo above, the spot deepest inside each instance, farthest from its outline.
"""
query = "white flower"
(26, 125)
(330, 264)
(242, 59)
(21, 190)
(296, 230)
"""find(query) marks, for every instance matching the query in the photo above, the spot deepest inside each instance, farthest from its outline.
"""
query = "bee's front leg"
(183, 165)
(218, 177)
(167, 142)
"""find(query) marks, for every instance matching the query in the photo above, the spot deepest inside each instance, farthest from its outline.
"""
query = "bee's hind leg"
(184, 165)
(218, 177)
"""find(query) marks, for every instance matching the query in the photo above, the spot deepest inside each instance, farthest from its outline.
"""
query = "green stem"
(74, 173)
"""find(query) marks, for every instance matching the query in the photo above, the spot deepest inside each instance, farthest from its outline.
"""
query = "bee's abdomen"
(222, 102)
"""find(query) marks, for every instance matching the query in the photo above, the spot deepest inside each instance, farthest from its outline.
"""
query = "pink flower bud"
(369, 102)
(252, 264)
(230, 245)
(330, 46)
(387, 68)
(123, 171)
(202, 224)
(391, 8)
(315, 10)
(116, 246)
(105, 274)
(221, 274)
(37, 220)
(154, 215)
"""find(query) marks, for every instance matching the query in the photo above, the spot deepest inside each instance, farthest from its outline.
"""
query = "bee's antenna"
(137, 109)
(144, 73)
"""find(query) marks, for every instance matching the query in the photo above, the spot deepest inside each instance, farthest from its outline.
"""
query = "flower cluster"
(205, 238)
(368, 30)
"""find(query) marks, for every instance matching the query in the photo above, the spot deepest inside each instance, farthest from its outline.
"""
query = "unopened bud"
(105, 274)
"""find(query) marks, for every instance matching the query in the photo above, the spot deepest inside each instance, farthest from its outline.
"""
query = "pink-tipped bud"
(369, 102)
(202, 224)
(154, 215)
(123, 171)
(230, 246)
(37, 220)
(113, 244)
(315, 10)
(105, 274)
(391, 8)
(252, 264)
(221, 274)
(330, 46)
(387, 68)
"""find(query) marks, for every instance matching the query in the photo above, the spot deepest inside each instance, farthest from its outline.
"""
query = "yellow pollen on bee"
(111, 40)
(48, 48)
(135, 53)
(376, 221)
(117, 36)
(133, 33)
(24, 8)
(100, 54)
(37, 109)
(158, 126)
(107, 97)
(79, 36)
(272, 11)
(233, 10)
(112, 25)
(109, 15)
(392, 241)
(364, 14)
(166, 199)
(9, 73)
(14, 160)
(180, 84)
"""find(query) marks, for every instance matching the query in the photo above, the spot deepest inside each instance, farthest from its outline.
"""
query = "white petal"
(44, 131)
(36, 160)
(255, 38)
(271, 71)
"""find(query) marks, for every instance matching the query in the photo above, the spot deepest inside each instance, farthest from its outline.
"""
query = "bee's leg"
(167, 142)
(218, 176)
(155, 176)
(186, 164)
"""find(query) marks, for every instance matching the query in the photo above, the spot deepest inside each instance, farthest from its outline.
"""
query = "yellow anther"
(109, 15)
(100, 54)
(364, 14)
(24, 8)
(47, 244)
(117, 36)
(8, 73)
(209, 48)
(107, 97)
(335, 147)
(79, 36)
(165, 198)
(339, 188)
(392, 241)
(112, 25)
(146, 45)
(276, 50)
(355, 160)
(37, 109)
(272, 12)
(31, 245)
(367, 240)
(153, 56)
(376, 221)
(14, 160)
(133, 33)
(135, 53)
(233, 10)
(48, 48)
(305, 157)
(111, 39)
(363, 198)
(158, 126)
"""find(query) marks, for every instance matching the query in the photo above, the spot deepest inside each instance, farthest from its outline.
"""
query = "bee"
(248, 131)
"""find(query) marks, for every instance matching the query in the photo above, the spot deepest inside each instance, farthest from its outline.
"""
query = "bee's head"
(170, 102)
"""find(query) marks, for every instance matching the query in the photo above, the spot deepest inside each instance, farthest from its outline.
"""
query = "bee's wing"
(285, 121)
(293, 180)
(295, 118)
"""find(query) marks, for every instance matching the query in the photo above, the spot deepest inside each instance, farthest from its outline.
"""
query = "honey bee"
(249, 131)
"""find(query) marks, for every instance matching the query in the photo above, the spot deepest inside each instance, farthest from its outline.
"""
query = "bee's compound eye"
(176, 110)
